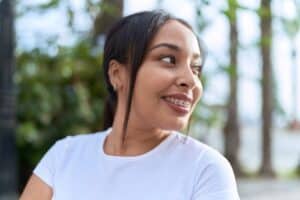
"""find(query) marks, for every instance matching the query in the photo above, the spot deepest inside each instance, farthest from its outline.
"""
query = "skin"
(170, 66)
(151, 119)
(36, 189)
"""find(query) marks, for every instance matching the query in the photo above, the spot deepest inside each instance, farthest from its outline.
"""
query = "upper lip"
(180, 96)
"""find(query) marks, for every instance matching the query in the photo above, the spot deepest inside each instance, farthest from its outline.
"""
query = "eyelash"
(172, 59)
(198, 68)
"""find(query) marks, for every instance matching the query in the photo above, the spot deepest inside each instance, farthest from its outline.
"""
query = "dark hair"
(127, 42)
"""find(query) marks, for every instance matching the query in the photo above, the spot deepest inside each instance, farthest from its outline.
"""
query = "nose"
(186, 78)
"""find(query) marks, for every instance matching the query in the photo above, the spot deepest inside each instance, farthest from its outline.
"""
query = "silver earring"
(115, 87)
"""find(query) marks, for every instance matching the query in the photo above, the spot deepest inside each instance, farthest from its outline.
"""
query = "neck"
(137, 140)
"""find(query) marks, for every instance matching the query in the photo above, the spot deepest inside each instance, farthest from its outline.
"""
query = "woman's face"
(168, 87)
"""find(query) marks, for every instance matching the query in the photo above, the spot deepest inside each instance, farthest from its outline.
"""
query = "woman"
(152, 65)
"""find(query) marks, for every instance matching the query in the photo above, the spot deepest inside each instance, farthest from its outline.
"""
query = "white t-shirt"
(77, 168)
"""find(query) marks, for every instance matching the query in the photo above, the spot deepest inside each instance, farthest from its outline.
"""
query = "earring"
(115, 87)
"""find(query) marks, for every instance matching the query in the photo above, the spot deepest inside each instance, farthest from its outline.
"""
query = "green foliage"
(60, 89)
(277, 106)
(57, 95)
(23, 10)
(265, 41)
(202, 22)
(49, 4)
(93, 7)
(230, 70)
(230, 12)
(264, 12)
(208, 115)
(109, 8)
(291, 26)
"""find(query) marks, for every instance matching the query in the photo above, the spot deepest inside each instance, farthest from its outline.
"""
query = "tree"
(59, 93)
(8, 167)
(292, 28)
(265, 14)
(232, 127)
(111, 11)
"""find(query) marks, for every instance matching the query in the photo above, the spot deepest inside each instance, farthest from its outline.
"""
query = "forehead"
(176, 33)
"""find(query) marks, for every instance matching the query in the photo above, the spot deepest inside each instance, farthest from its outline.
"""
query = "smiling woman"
(152, 67)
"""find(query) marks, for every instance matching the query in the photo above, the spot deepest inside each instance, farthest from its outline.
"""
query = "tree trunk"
(111, 11)
(8, 168)
(267, 90)
(231, 128)
(295, 124)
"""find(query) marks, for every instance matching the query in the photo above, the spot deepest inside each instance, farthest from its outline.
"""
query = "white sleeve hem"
(43, 176)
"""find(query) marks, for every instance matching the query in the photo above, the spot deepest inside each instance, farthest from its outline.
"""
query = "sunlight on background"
(34, 29)
(53, 23)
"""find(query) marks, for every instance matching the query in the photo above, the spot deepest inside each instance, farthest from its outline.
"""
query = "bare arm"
(36, 189)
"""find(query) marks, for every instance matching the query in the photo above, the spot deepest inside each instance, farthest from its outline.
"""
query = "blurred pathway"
(285, 158)
(269, 189)
(285, 148)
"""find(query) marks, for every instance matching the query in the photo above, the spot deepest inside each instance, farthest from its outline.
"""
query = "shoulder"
(198, 150)
(208, 162)
(78, 139)
(66, 151)
(213, 174)
(79, 142)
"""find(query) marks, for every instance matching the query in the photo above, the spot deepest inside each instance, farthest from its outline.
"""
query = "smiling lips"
(180, 103)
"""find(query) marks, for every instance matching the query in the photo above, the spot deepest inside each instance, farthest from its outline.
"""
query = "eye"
(168, 59)
(197, 69)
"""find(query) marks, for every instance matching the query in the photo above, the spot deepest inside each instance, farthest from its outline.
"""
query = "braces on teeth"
(178, 102)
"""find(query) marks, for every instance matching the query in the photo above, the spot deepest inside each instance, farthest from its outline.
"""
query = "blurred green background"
(51, 84)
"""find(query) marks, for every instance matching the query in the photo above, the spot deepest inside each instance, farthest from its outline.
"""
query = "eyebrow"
(167, 45)
(172, 47)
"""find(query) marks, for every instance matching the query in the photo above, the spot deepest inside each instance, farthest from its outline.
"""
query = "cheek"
(153, 80)
(144, 92)
(198, 91)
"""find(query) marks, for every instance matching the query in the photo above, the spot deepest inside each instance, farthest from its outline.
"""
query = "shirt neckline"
(160, 147)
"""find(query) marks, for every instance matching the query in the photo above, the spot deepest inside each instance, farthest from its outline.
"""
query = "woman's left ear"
(116, 72)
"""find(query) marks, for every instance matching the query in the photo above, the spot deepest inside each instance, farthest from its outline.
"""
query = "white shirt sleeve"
(215, 178)
(47, 165)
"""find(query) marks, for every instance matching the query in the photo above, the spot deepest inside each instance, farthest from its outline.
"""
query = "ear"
(117, 73)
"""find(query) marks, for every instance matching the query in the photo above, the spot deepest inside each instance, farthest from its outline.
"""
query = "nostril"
(183, 84)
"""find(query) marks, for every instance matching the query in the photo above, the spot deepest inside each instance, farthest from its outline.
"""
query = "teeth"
(178, 101)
